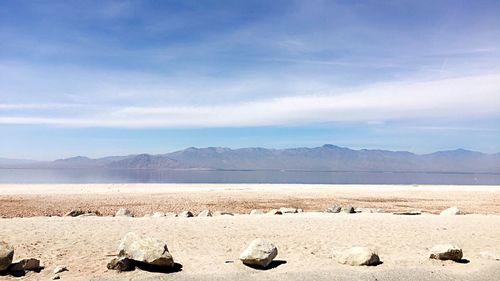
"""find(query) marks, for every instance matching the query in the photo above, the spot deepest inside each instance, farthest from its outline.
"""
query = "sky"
(100, 78)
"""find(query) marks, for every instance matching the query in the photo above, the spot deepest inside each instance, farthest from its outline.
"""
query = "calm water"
(162, 176)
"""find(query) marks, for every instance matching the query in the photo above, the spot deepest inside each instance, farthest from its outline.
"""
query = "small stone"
(120, 264)
(124, 212)
(333, 208)
(205, 213)
(452, 212)
(259, 252)
(60, 268)
(56, 277)
(6, 255)
(256, 212)
(186, 214)
(145, 249)
(348, 209)
(285, 210)
(170, 215)
(357, 256)
(74, 213)
(446, 252)
(222, 213)
(274, 212)
(158, 215)
(25, 264)
(300, 211)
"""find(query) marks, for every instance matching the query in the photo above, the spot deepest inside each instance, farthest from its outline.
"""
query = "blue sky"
(120, 77)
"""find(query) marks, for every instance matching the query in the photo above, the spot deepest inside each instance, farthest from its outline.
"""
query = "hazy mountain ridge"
(325, 158)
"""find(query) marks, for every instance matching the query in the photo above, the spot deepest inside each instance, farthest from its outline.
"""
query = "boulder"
(6, 255)
(120, 264)
(452, 212)
(333, 208)
(285, 210)
(256, 212)
(124, 212)
(158, 215)
(145, 249)
(186, 214)
(446, 252)
(259, 252)
(274, 212)
(357, 256)
(205, 213)
(25, 265)
(348, 209)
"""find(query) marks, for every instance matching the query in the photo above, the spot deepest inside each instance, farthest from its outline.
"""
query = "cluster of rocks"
(348, 209)
(18, 268)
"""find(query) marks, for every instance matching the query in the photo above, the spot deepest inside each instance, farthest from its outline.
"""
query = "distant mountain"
(325, 158)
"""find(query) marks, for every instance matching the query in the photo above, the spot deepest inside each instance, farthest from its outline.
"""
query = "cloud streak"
(464, 98)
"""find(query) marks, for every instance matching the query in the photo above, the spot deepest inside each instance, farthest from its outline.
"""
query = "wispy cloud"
(451, 99)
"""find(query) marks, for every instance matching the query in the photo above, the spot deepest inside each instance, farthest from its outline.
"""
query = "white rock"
(186, 214)
(205, 213)
(158, 215)
(124, 212)
(368, 210)
(333, 208)
(274, 212)
(452, 211)
(145, 249)
(170, 215)
(256, 212)
(56, 277)
(357, 256)
(6, 255)
(259, 252)
(60, 268)
(300, 211)
(348, 209)
(285, 210)
(446, 252)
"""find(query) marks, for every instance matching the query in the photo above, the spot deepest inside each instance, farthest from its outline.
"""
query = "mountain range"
(324, 158)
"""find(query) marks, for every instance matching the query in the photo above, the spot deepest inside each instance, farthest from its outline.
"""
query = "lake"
(223, 176)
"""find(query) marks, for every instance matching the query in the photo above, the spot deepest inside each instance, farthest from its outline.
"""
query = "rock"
(256, 212)
(285, 210)
(333, 208)
(170, 215)
(205, 213)
(186, 214)
(146, 250)
(357, 256)
(60, 268)
(56, 277)
(452, 212)
(124, 212)
(6, 255)
(25, 265)
(274, 212)
(120, 264)
(300, 211)
(446, 252)
(222, 213)
(259, 253)
(74, 213)
(158, 215)
(408, 213)
(368, 210)
(348, 209)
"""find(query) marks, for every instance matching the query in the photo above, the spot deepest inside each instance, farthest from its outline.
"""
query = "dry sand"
(207, 248)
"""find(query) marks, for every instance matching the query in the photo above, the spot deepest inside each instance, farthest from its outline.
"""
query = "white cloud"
(462, 98)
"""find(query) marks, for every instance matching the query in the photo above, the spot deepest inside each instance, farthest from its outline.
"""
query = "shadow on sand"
(272, 265)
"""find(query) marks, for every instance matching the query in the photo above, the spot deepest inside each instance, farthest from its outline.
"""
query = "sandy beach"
(208, 248)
